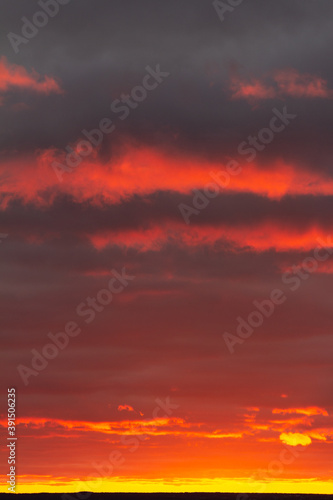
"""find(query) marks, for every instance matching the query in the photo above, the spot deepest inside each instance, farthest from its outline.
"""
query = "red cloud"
(12, 75)
(280, 83)
(125, 407)
(290, 82)
(253, 89)
(144, 170)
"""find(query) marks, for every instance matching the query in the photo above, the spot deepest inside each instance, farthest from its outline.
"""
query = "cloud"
(156, 426)
(280, 83)
(119, 208)
(291, 82)
(125, 408)
(251, 90)
(295, 439)
(312, 410)
(242, 220)
(145, 171)
(13, 76)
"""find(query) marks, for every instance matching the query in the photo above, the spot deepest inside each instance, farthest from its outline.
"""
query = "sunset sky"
(166, 248)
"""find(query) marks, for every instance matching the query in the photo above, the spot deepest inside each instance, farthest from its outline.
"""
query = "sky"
(166, 244)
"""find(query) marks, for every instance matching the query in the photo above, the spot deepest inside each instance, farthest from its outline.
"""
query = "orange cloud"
(321, 436)
(14, 76)
(311, 410)
(154, 427)
(125, 408)
(281, 425)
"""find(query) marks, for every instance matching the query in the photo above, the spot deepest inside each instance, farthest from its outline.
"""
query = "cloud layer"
(258, 194)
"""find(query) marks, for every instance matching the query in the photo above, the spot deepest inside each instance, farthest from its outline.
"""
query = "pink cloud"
(286, 82)
(248, 90)
(290, 82)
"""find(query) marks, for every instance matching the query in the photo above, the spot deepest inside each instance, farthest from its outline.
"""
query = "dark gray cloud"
(67, 218)
(97, 60)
